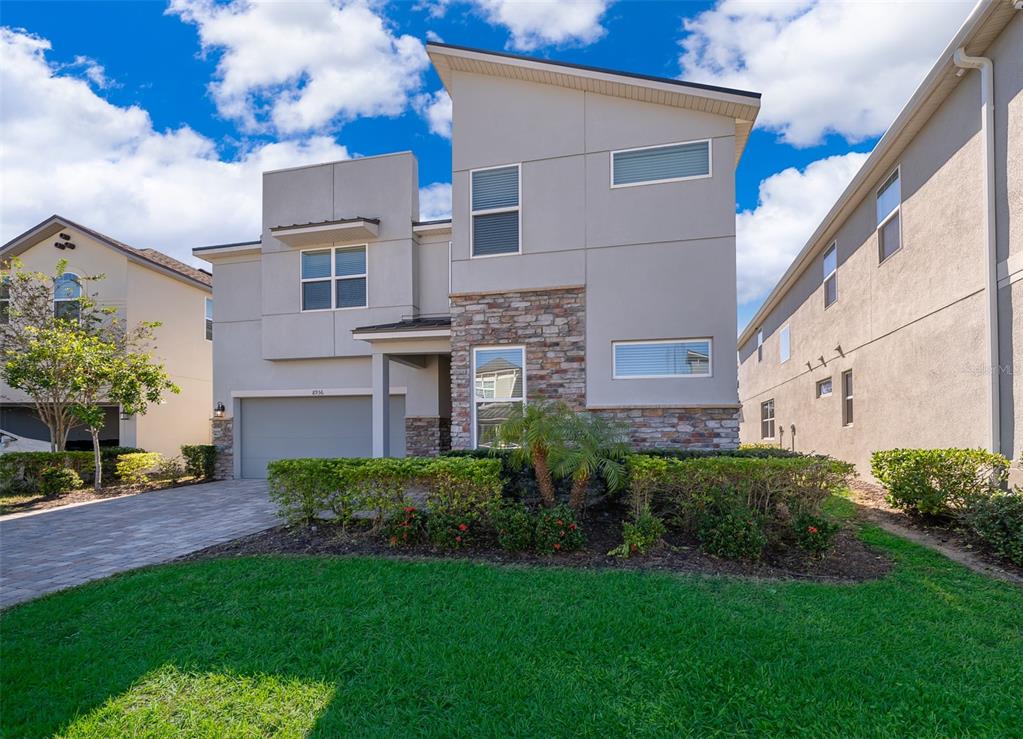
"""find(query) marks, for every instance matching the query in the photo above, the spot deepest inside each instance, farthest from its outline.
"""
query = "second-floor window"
(674, 358)
(334, 278)
(653, 164)
(209, 318)
(830, 275)
(889, 217)
(767, 419)
(496, 215)
(760, 345)
(847, 398)
(67, 292)
(784, 344)
(5, 300)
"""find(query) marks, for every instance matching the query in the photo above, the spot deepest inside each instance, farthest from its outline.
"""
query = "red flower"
(557, 546)
(462, 527)
(571, 526)
(458, 539)
(560, 522)
(812, 529)
(409, 509)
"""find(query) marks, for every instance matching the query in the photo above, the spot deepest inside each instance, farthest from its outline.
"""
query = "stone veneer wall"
(549, 323)
(223, 440)
(427, 436)
(669, 428)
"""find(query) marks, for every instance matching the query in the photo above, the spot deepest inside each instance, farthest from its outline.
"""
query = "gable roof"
(146, 257)
(741, 105)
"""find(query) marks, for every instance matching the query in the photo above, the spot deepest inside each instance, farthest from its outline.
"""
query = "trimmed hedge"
(199, 459)
(136, 467)
(938, 481)
(519, 481)
(304, 488)
(23, 469)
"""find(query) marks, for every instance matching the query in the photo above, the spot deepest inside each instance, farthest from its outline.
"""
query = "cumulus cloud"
(842, 66)
(107, 167)
(436, 109)
(299, 67)
(435, 201)
(791, 205)
(536, 23)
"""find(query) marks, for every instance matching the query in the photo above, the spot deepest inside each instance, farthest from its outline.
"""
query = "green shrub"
(452, 530)
(170, 469)
(732, 532)
(134, 468)
(404, 528)
(108, 460)
(639, 535)
(515, 527)
(518, 481)
(814, 533)
(557, 531)
(937, 481)
(23, 470)
(997, 521)
(199, 459)
(746, 451)
(58, 480)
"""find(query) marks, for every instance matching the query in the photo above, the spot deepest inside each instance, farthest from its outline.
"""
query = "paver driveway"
(54, 549)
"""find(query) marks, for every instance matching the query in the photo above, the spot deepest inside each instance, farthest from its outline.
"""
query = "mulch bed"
(40, 503)
(850, 561)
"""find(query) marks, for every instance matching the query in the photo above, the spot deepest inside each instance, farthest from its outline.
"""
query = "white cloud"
(93, 71)
(435, 201)
(436, 109)
(64, 149)
(535, 23)
(843, 66)
(434, 37)
(301, 66)
(791, 205)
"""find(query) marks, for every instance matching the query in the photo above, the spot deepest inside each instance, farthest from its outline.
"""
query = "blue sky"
(151, 121)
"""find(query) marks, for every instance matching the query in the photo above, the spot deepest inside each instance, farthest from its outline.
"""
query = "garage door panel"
(290, 428)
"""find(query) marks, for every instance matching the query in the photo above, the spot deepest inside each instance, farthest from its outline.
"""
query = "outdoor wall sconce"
(839, 350)
(809, 366)
(218, 410)
(823, 363)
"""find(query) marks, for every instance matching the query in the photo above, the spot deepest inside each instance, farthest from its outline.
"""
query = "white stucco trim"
(404, 335)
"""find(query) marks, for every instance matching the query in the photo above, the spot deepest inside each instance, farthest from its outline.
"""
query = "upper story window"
(67, 292)
(767, 419)
(760, 345)
(847, 398)
(830, 275)
(496, 221)
(653, 164)
(824, 387)
(672, 358)
(499, 381)
(784, 344)
(889, 219)
(334, 278)
(209, 318)
(5, 300)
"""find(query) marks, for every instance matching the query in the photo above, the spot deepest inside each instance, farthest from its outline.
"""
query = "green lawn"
(360, 647)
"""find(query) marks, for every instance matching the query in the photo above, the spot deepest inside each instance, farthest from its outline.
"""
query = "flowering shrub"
(557, 531)
(451, 530)
(515, 527)
(815, 534)
(58, 480)
(639, 535)
(405, 528)
(735, 532)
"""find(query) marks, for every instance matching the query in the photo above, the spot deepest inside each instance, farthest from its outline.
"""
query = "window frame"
(764, 419)
(820, 383)
(784, 341)
(5, 302)
(710, 164)
(207, 319)
(491, 211)
(81, 293)
(760, 344)
(333, 278)
(617, 343)
(848, 412)
(832, 275)
(472, 384)
(895, 212)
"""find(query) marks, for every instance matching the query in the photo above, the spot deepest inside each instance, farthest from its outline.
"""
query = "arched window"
(67, 291)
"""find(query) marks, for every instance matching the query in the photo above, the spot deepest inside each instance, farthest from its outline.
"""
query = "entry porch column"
(381, 405)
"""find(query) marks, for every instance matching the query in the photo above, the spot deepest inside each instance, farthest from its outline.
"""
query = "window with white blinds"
(660, 164)
(495, 211)
(674, 358)
(334, 278)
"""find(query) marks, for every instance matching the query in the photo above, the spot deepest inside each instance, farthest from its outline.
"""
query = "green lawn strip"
(359, 646)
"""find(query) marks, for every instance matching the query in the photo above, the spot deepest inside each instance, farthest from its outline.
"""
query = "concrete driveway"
(55, 549)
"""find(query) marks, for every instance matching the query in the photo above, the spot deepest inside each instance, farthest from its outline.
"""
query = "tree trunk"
(97, 460)
(577, 496)
(544, 480)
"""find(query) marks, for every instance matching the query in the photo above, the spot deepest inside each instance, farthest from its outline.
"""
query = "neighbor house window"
(830, 275)
(889, 220)
(824, 387)
(495, 211)
(499, 386)
(653, 164)
(67, 294)
(760, 345)
(671, 358)
(334, 278)
(784, 344)
(209, 319)
(767, 419)
(847, 398)
(5, 300)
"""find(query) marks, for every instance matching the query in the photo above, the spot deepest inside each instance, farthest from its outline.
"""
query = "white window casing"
(889, 216)
(654, 165)
(495, 211)
(334, 278)
(498, 384)
(767, 419)
(663, 358)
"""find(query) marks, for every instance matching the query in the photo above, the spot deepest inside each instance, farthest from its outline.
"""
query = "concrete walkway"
(55, 549)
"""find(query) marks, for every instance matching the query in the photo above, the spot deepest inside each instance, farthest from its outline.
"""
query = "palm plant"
(532, 432)
(592, 445)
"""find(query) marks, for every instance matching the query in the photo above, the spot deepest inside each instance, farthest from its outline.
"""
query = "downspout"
(987, 128)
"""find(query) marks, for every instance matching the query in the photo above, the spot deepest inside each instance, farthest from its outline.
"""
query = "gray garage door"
(286, 428)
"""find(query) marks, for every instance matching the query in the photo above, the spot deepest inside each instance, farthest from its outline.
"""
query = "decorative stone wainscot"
(551, 326)
(674, 428)
(223, 440)
(427, 436)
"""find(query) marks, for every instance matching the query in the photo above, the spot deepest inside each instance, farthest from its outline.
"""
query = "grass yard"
(360, 646)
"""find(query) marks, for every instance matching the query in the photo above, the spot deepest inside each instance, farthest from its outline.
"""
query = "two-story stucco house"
(590, 258)
(144, 285)
(900, 323)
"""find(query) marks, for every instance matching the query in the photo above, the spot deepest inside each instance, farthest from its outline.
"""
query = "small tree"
(532, 431)
(592, 446)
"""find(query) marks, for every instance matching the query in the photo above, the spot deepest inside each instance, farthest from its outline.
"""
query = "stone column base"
(427, 436)
(223, 440)
(685, 428)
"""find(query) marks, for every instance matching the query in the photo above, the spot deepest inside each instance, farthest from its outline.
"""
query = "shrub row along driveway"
(54, 549)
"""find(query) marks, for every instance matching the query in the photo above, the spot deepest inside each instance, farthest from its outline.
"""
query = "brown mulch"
(937, 533)
(850, 561)
(24, 504)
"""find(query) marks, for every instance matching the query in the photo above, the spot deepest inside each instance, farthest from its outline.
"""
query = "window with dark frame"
(208, 307)
(847, 398)
(889, 217)
(67, 295)
(5, 300)
(824, 387)
(767, 419)
(830, 275)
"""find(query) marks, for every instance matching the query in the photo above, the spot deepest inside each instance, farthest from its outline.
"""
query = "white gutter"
(987, 128)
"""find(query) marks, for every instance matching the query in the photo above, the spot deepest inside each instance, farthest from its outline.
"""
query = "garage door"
(286, 428)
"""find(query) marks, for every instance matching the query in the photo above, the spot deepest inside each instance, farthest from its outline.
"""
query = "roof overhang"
(432, 227)
(310, 234)
(244, 248)
(740, 105)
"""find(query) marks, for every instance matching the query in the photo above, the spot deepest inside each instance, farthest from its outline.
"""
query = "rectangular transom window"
(784, 344)
(830, 275)
(824, 387)
(654, 164)
(767, 419)
(499, 386)
(334, 278)
(889, 217)
(495, 211)
(671, 358)
(208, 306)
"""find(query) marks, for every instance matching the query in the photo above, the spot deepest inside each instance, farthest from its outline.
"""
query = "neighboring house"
(590, 259)
(900, 323)
(144, 285)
